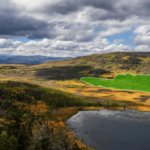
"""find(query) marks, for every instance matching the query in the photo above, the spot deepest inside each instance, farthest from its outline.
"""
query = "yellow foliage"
(58, 131)
(1, 120)
(70, 83)
(126, 57)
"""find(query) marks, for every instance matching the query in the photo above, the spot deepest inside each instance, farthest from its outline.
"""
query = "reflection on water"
(113, 130)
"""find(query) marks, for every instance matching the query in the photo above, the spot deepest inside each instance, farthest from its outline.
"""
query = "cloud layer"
(72, 28)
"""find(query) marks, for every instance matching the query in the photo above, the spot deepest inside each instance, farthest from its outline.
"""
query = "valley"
(65, 75)
(51, 93)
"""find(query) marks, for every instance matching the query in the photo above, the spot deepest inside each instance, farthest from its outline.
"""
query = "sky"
(72, 28)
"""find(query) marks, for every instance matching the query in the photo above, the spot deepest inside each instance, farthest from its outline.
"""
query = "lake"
(112, 130)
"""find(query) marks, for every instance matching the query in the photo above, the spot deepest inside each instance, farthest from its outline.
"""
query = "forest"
(26, 122)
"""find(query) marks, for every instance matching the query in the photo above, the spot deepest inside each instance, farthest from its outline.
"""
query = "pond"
(112, 130)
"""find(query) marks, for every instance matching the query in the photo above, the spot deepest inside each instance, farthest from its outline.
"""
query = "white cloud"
(7, 43)
(67, 27)
(58, 48)
(143, 29)
(143, 35)
(142, 48)
(142, 40)
(50, 47)
(113, 31)
(117, 41)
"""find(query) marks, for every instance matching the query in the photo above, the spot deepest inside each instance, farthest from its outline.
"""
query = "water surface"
(113, 130)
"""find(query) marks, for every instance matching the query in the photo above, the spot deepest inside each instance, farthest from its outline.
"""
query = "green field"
(122, 81)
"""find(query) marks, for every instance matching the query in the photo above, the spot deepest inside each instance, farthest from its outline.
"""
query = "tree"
(7, 143)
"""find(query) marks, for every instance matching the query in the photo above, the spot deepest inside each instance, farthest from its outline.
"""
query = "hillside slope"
(59, 75)
(28, 121)
(98, 65)
(105, 65)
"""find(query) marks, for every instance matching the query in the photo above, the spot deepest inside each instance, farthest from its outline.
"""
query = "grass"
(115, 104)
(125, 82)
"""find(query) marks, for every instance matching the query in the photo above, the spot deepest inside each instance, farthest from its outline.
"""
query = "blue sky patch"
(24, 40)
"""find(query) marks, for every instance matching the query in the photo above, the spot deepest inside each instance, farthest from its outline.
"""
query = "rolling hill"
(99, 65)
(105, 65)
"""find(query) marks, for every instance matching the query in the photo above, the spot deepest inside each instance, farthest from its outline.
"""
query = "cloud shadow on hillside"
(69, 72)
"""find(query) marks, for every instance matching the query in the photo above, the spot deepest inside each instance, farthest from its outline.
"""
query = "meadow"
(122, 81)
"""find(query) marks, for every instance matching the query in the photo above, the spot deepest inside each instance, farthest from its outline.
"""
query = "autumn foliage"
(25, 122)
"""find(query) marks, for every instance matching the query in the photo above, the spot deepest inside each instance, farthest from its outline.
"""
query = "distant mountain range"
(32, 60)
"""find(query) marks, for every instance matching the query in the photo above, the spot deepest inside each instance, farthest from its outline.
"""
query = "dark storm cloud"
(122, 11)
(64, 7)
(112, 9)
(69, 6)
(142, 9)
(14, 24)
(107, 16)
(107, 5)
